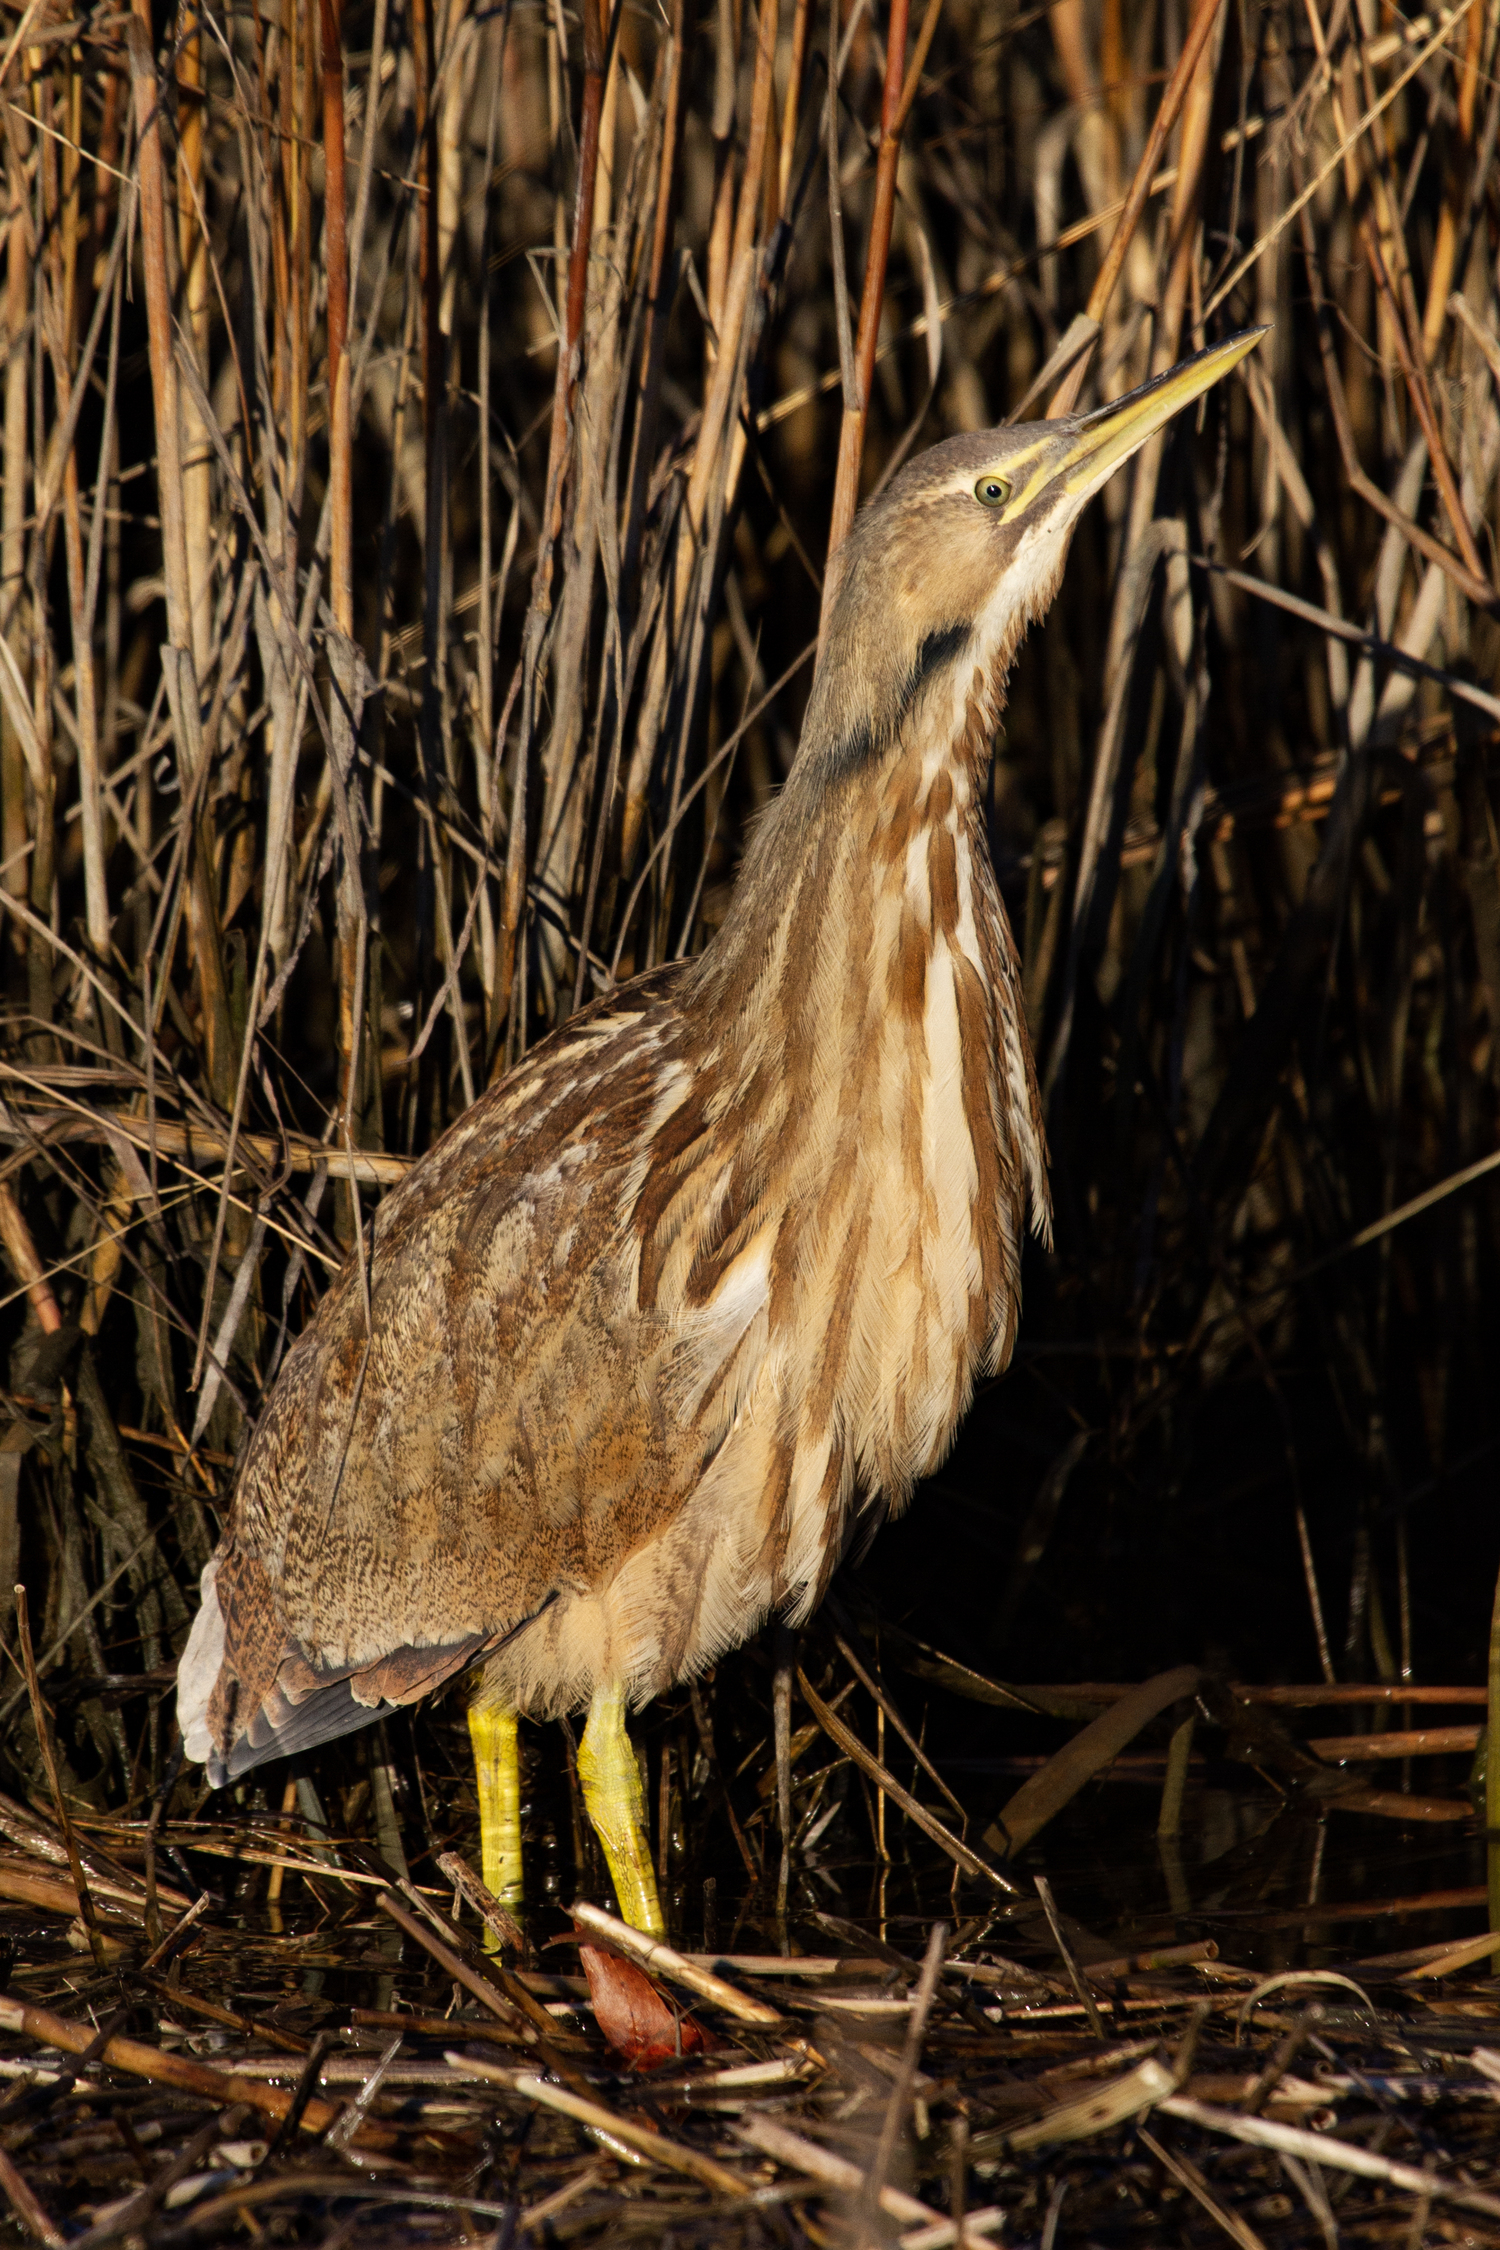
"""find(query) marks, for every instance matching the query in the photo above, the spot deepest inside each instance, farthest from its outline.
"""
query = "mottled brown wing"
(266, 1699)
(412, 1501)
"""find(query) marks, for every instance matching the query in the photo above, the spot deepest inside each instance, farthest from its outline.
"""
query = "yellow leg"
(612, 1798)
(497, 1767)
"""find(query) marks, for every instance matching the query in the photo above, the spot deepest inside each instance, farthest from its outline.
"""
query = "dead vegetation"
(422, 428)
(924, 2083)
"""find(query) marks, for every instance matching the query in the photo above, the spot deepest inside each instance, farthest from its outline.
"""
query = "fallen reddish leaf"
(636, 2018)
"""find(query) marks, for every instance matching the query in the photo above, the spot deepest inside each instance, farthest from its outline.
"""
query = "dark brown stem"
(40, 1721)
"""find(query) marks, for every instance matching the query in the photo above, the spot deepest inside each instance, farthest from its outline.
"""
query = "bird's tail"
(198, 1670)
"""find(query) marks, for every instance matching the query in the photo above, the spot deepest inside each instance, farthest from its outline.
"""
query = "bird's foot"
(497, 1768)
(611, 1782)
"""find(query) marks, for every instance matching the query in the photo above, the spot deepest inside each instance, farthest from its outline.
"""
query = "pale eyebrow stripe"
(1024, 498)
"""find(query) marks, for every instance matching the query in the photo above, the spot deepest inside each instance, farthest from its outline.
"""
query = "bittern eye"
(992, 492)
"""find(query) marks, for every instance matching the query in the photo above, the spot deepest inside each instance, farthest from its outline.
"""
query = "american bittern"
(712, 1272)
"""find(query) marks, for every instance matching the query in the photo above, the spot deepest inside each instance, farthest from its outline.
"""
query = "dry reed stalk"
(193, 260)
(872, 297)
(178, 666)
(14, 834)
(1143, 543)
(718, 453)
(1079, 343)
(336, 267)
(141, 2060)
(539, 611)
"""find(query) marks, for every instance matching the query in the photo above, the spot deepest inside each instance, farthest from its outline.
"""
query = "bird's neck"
(861, 874)
(863, 1018)
(868, 1094)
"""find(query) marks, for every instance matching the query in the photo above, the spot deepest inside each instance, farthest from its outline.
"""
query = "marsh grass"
(422, 427)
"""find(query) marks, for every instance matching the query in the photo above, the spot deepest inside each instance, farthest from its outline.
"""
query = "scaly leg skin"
(611, 1782)
(497, 1768)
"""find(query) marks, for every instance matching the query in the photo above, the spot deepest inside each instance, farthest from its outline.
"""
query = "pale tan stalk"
(486, 750)
(791, 107)
(1092, 139)
(1182, 249)
(192, 251)
(1090, 322)
(343, 656)
(43, 777)
(294, 75)
(177, 657)
(872, 296)
(59, 175)
(540, 607)
(564, 808)
(13, 821)
(452, 111)
(85, 719)
(1440, 270)
(721, 126)
(720, 425)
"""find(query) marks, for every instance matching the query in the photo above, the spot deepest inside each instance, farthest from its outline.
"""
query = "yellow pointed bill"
(1112, 433)
(1077, 457)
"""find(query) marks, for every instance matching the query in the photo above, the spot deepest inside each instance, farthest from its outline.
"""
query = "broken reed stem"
(29, 1270)
(454, 1965)
(139, 2060)
(27, 2207)
(1075, 1978)
(844, 1738)
(664, 1960)
(502, 1924)
(896, 2107)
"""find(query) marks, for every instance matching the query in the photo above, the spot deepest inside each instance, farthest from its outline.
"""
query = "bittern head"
(965, 548)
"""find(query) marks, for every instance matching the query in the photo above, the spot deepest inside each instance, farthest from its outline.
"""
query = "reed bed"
(424, 431)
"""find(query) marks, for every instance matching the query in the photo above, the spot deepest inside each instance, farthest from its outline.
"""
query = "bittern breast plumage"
(713, 1272)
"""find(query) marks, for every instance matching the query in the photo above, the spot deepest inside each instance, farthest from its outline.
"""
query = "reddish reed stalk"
(852, 429)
